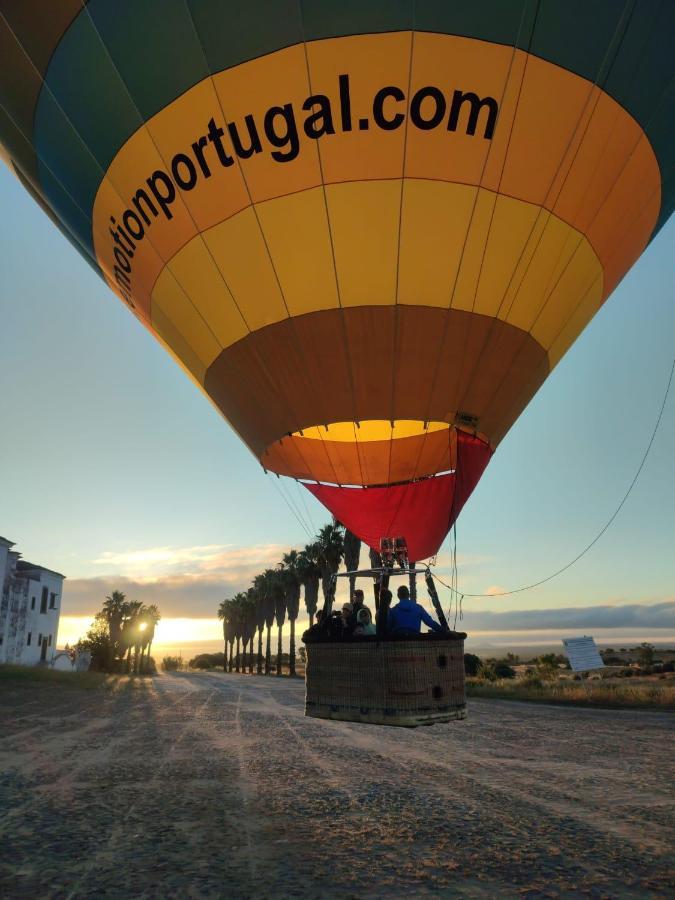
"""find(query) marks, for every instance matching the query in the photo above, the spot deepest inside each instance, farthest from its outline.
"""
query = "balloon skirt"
(407, 682)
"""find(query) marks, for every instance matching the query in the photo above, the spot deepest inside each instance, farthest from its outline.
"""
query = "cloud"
(158, 562)
(494, 590)
(188, 581)
(627, 615)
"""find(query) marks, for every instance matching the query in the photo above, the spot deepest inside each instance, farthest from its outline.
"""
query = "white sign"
(583, 654)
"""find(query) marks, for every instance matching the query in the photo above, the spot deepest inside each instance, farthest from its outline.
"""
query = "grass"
(34, 676)
(611, 695)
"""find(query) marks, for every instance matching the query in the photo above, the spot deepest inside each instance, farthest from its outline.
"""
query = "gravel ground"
(217, 786)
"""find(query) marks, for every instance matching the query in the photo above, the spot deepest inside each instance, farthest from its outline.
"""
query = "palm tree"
(267, 581)
(330, 545)
(114, 612)
(224, 614)
(352, 550)
(238, 604)
(310, 574)
(279, 594)
(292, 585)
(259, 592)
(130, 635)
(250, 624)
(230, 636)
(149, 618)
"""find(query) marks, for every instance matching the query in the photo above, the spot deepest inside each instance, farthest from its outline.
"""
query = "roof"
(23, 566)
(6, 542)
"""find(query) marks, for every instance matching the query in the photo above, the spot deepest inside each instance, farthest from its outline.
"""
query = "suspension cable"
(611, 519)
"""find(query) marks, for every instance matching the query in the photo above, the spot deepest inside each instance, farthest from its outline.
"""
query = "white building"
(30, 605)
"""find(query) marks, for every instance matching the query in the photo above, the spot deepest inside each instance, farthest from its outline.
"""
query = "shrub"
(149, 666)
(503, 669)
(207, 661)
(172, 663)
(486, 672)
(471, 663)
(531, 681)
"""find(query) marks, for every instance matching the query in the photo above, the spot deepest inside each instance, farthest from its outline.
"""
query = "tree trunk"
(279, 652)
(291, 653)
(230, 666)
(250, 655)
(236, 659)
(259, 666)
(268, 652)
(225, 655)
(311, 619)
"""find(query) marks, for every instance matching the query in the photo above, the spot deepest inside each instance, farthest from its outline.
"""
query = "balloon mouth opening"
(365, 454)
(370, 430)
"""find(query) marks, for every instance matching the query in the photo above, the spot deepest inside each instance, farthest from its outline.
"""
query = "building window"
(52, 601)
(30, 635)
(49, 642)
(39, 638)
(43, 601)
(32, 603)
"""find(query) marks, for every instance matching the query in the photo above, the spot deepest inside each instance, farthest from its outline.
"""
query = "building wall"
(30, 606)
(4, 600)
(41, 625)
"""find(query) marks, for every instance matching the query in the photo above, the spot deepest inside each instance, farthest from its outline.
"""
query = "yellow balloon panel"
(200, 275)
(364, 224)
(239, 248)
(297, 234)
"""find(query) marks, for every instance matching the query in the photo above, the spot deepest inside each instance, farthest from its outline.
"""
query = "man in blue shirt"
(407, 616)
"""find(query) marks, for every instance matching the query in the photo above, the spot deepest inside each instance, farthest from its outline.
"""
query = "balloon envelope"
(367, 230)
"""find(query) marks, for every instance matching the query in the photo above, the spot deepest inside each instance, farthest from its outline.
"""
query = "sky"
(116, 471)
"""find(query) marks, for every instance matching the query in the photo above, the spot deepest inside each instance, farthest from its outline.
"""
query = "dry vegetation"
(652, 693)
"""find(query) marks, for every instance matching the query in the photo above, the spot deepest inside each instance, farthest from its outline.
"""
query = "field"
(616, 693)
(210, 785)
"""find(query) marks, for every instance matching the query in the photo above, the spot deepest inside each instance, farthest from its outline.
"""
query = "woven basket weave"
(405, 682)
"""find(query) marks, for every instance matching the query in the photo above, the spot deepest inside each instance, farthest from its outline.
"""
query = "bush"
(149, 666)
(486, 672)
(97, 642)
(531, 681)
(610, 660)
(172, 663)
(207, 661)
(503, 669)
(471, 663)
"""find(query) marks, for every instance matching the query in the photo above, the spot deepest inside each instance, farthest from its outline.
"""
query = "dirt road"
(211, 785)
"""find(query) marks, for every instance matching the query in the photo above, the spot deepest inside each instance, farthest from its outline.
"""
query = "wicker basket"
(409, 682)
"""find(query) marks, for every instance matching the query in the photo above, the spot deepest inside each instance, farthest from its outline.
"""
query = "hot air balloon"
(367, 230)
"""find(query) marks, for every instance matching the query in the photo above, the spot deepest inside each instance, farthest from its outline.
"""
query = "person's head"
(320, 615)
(358, 597)
(385, 595)
(346, 610)
(363, 616)
(403, 593)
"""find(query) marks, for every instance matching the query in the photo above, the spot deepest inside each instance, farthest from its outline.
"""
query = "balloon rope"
(616, 512)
